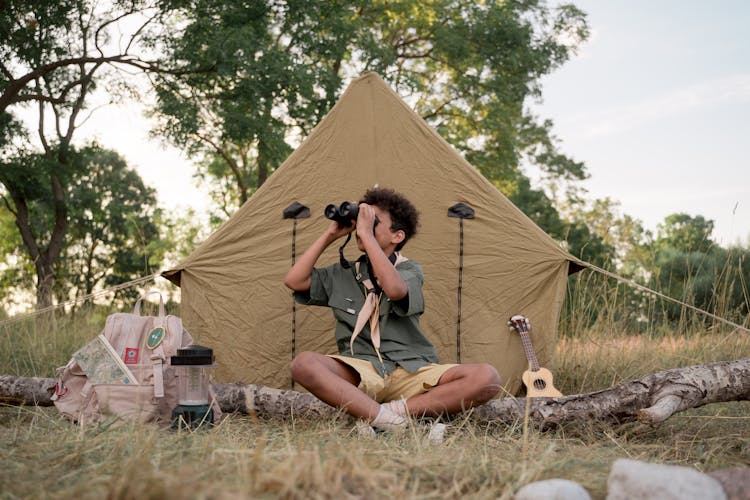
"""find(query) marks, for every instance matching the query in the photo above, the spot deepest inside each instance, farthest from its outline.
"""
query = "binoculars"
(345, 214)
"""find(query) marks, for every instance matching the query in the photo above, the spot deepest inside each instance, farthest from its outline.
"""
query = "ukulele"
(538, 380)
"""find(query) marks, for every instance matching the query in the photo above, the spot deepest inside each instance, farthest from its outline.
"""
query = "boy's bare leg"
(460, 388)
(333, 382)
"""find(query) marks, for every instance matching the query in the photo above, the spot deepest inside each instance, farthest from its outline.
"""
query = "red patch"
(131, 356)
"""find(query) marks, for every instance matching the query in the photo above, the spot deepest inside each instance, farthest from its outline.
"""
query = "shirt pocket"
(345, 309)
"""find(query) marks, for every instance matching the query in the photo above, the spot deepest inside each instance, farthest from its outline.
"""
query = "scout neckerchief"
(371, 309)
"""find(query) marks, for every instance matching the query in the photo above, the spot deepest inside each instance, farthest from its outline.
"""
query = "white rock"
(553, 489)
(437, 433)
(633, 479)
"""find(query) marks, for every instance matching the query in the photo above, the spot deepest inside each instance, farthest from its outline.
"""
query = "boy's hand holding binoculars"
(366, 221)
(348, 216)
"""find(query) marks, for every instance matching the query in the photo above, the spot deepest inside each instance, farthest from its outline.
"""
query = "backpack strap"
(158, 361)
(137, 308)
(158, 356)
(173, 341)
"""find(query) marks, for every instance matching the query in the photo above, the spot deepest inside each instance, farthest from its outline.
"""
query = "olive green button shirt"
(402, 342)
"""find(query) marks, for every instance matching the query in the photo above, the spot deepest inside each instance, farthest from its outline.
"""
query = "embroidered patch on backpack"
(131, 356)
(155, 337)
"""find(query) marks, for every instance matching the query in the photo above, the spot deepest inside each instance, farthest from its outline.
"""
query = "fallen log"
(26, 390)
(651, 399)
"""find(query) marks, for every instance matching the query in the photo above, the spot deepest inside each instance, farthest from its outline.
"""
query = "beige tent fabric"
(233, 298)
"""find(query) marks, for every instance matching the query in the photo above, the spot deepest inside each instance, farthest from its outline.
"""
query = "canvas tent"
(478, 271)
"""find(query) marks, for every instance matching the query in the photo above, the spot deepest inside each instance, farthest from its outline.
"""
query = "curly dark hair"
(404, 215)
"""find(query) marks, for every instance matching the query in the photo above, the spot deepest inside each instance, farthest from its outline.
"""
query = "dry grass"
(43, 456)
(35, 347)
(594, 362)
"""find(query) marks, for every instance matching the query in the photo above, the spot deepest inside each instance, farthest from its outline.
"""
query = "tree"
(271, 61)
(732, 284)
(716, 281)
(112, 235)
(468, 68)
(685, 263)
(53, 55)
(624, 235)
(689, 266)
(580, 240)
(686, 233)
(16, 273)
(686, 276)
(52, 52)
(23, 178)
(181, 233)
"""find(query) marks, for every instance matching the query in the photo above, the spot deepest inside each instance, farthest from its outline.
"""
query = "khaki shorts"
(398, 385)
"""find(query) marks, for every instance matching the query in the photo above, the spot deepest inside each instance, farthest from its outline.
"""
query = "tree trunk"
(263, 160)
(650, 400)
(45, 276)
(44, 259)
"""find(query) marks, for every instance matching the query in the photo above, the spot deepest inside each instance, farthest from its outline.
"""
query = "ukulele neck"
(529, 350)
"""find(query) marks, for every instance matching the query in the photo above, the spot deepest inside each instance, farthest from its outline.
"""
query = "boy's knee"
(489, 379)
(302, 365)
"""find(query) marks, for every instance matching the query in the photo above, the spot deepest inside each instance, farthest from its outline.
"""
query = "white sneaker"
(397, 406)
(387, 420)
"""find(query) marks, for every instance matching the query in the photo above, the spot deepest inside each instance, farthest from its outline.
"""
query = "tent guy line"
(83, 298)
(643, 288)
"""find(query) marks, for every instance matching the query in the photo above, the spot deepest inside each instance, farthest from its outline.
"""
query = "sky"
(656, 104)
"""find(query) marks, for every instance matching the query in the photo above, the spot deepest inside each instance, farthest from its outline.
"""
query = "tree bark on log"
(26, 390)
(651, 399)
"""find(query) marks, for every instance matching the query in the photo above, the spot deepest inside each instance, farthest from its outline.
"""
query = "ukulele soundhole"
(540, 384)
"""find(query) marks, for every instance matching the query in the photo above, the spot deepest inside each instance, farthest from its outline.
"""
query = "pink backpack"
(125, 371)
